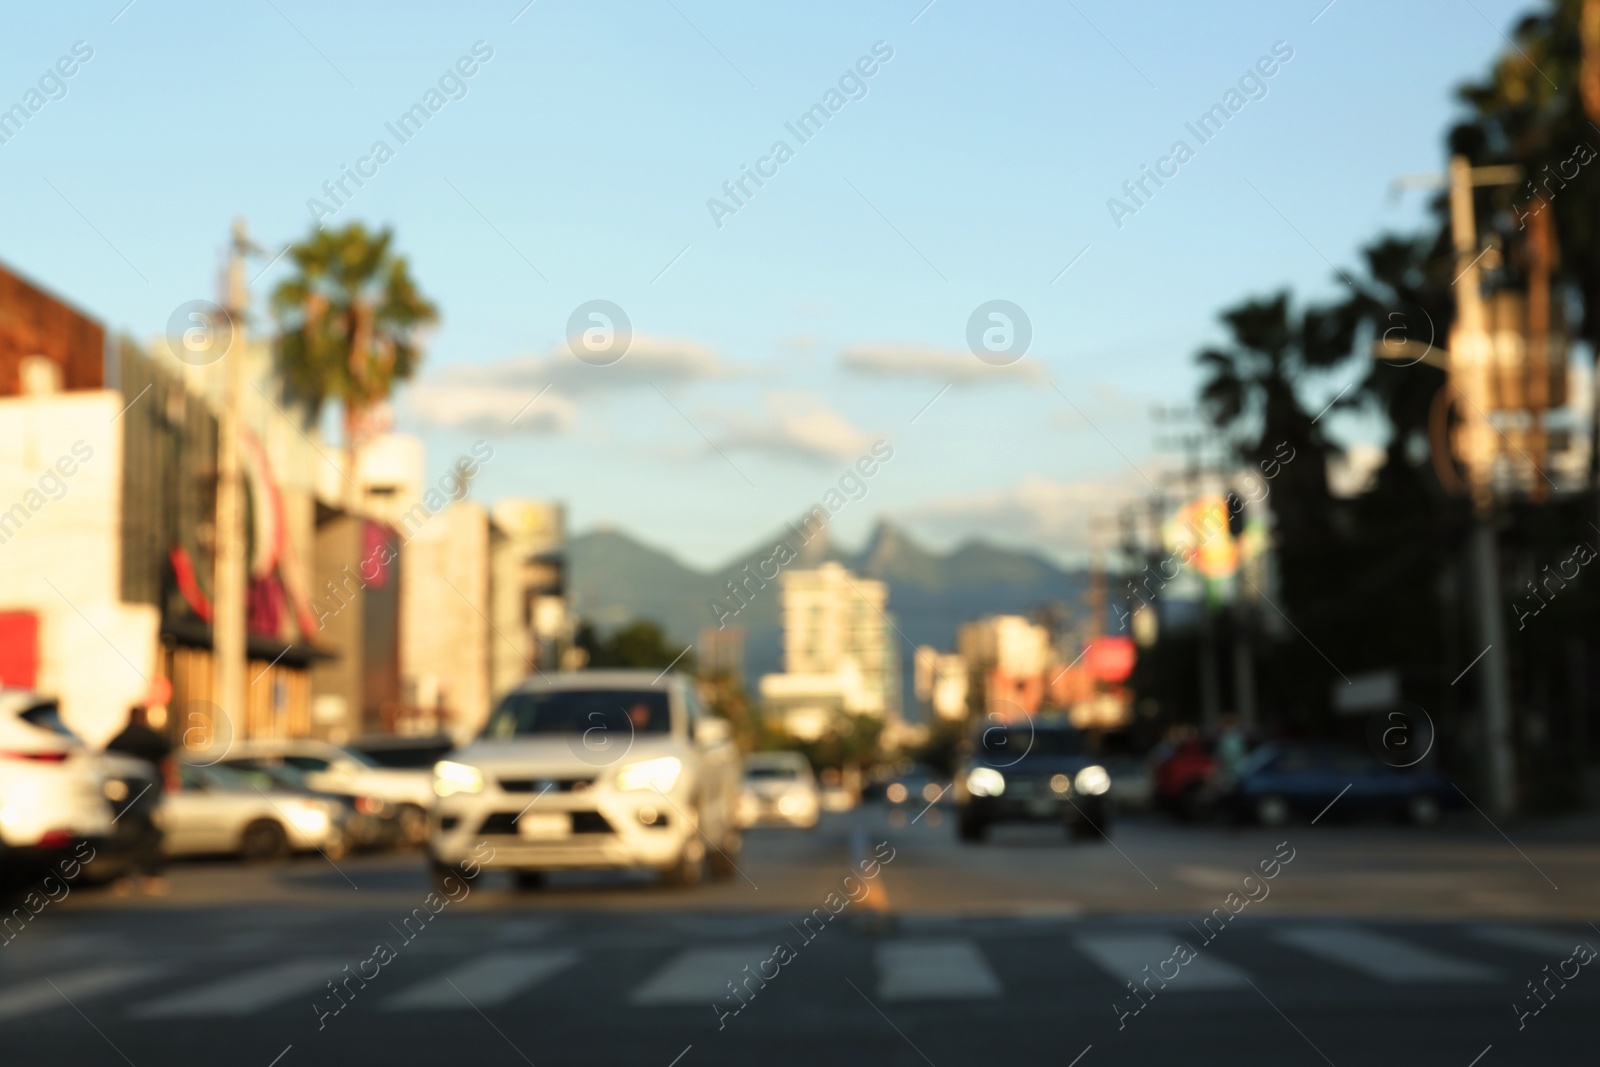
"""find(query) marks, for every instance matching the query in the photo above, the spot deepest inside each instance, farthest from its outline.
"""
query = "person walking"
(141, 742)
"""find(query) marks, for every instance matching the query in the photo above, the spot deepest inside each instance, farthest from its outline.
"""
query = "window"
(306, 763)
(581, 711)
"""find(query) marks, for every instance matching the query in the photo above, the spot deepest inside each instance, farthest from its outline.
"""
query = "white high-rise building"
(838, 651)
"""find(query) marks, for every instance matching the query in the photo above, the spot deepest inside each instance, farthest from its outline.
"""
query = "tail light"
(37, 757)
(55, 839)
(369, 805)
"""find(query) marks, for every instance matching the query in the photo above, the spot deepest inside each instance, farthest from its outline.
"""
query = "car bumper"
(1038, 809)
(606, 830)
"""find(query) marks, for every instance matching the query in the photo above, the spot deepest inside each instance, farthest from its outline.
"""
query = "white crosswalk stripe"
(494, 979)
(702, 975)
(934, 970)
(38, 994)
(247, 993)
(1383, 957)
(1530, 939)
(1126, 958)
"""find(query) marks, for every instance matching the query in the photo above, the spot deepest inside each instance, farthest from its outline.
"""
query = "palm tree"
(349, 323)
(1250, 388)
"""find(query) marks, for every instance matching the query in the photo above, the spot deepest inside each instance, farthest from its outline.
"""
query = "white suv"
(56, 793)
(592, 769)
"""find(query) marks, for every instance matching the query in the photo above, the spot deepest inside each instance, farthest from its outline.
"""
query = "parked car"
(55, 793)
(334, 768)
(592, 769)
(1281, 780)
(915, 785)
(779, 788)
(1132, 784)
(216, 810)
(389, 750)
(369, 822)
(1181, 772)
(1031, 772)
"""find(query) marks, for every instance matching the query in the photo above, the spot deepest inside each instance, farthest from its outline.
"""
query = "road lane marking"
(1125, 959)
(35, 995)
(246, 994)
(1527, 938)
(702, 975)
(493, 979)
(934, 970)
(1383, 957)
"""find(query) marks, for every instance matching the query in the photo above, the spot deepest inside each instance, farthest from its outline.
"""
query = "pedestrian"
(139, 741)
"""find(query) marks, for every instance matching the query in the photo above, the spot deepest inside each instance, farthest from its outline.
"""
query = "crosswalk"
(1083, 956)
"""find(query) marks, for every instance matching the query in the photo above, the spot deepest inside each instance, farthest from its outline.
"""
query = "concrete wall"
(60, 548)
(445, 608)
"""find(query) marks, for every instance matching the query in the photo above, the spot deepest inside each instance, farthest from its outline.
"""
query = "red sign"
(1110, 659)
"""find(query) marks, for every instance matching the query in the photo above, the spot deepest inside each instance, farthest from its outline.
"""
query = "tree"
(1250, 392)
(349, 322)
(641, 643)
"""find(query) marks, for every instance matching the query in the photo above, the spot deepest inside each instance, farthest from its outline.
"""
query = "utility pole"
(228, 650)
(1469, 366)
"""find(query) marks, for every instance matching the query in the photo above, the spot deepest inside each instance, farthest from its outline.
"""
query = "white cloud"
(489, 408)
(937, 364)
(1052, 515)
(795, 426)
(488, 396)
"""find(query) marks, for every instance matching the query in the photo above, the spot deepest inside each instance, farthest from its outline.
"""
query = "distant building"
(1008, 656)
(941, 681)
(721, 649)
(838, 652)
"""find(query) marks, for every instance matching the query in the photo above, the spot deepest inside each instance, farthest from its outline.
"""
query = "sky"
(780, 331)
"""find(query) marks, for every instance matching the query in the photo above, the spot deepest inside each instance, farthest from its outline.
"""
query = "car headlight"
(658, 774)
(1093, 780)
(451, 778)
(985, 782)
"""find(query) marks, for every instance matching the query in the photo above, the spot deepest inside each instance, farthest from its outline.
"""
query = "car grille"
(545, 785)
(583, 822)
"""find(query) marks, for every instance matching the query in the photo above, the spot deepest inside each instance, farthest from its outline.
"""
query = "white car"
(592, 769)
(217, 810)
(55, 792)
(779, 787)
(334, 768)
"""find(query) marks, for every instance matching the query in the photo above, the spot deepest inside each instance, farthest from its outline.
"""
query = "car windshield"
(268, 775)
(359, 757)
(214, 777)
(772, 773)
(47, 717)
(581, 711)
(1012, 743)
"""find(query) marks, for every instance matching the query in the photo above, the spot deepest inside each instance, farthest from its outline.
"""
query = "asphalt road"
(1369, 945)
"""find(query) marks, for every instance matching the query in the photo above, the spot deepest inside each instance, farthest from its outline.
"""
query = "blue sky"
(833, 306)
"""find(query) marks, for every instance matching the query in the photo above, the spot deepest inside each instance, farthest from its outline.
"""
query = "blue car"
(1280, 780)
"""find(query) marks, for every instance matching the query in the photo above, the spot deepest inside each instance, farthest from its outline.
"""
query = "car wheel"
(1272, 810)
(1422, 810)
(263, 840)
(447, 879)
(1084, 830)
(413, 824)
(338, 847)
(1191, 804)
(971, 828)
(529, 880)
(690, 867)
(723, 859)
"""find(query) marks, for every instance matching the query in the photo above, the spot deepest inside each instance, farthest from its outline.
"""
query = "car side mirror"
(710, 731)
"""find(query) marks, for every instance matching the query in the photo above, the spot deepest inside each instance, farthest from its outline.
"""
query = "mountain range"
(614, 579)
